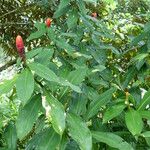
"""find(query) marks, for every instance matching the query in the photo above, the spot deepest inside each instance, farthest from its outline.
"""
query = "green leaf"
(35, 35)
(28, 115)
(25, 85)
(146, 134)
(129, 76)
(57, 113)
(41, 31)
(63, 143)
(112, 140)
(44, 56)
(137, 39)
(91, 1)
(134, 122)
(62, 8)
(112, 112)
(79, 132)
(45, 140)
(75, 77)
(72, 18)
(145, 114)
(102, 100)
(34, 52)
(145, 101)
(61, 43)
(11, 136)
(139, 57)
(7, 85)
(43, 72)
(49, 75)
(82, 7)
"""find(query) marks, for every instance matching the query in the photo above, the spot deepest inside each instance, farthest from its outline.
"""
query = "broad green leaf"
(7, 85)
(63, 143)
(102, 100)
(34, 52)
(146, 134)
(72, 18)
(98, 68)
(51, 34)
(57, 113)
(139, 38)
(139, 57)
(43, 72)
(35, 35)
(81, 6)
(11, 136)
(25, 85)
(28, 115)
(134, 122)
(145, 114)
(79, 131)
(44, 56)
(112, 140)
(41, 31)
(75, 77)
(113, 112)
(129, 76)
(61, 43)
(91, 1)
(49, 75)
(62, 8)
(145, 101)
(45, 140)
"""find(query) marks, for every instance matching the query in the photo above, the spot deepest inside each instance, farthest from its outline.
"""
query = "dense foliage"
(84, 82)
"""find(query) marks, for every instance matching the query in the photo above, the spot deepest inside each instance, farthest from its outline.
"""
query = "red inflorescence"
(20, 47)
(48, 22)
(94, 14)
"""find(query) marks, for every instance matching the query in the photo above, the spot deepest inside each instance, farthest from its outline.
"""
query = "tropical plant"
(85, 86)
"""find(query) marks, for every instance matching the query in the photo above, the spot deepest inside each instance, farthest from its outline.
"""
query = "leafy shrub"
(79, 90)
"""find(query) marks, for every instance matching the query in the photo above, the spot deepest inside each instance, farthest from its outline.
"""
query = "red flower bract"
(94, 14)
(20, 47)
(48, 22)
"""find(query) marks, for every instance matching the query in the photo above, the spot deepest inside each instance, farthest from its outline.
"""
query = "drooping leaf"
(41, 31)
(72, 18)
(102, 100)
(27, 116)
(25, 85)
(61, 43)
(62, 8)
(11, 136)
(75, 77)
(79, 132)
(145, 114)
(45, 140)
(82, 7)
(33, 52)
(57, 113)
(91, 1)
(129, 76)
(49, 75)
(146, 134)
(112, 112)
(112, 140)
(7, 85)
(145, 101)
(134, 122)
